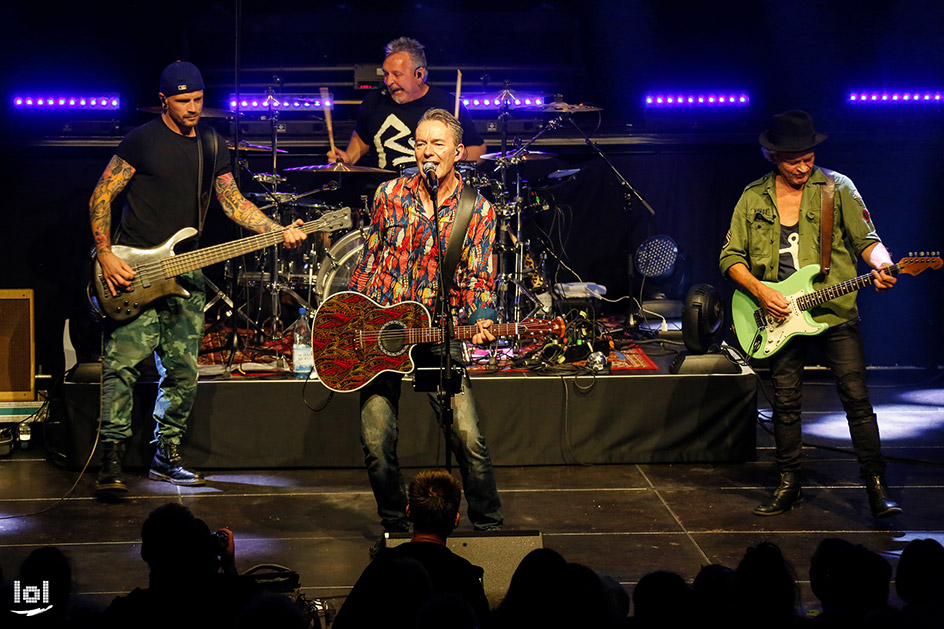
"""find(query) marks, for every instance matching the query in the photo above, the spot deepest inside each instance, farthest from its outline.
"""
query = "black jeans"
(842, 347)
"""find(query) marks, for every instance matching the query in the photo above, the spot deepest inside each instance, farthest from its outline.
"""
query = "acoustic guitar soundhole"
(392, 341)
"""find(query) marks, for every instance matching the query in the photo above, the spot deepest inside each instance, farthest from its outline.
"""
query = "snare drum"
(337, 265)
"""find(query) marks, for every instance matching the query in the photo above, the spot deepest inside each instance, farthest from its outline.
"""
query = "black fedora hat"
(791, 132)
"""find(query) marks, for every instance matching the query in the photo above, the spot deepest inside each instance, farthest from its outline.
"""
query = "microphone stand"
(444, 392)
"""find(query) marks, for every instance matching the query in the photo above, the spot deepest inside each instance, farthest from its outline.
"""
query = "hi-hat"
(524, 156)
(338, 167)
(255, 148)
(208, 112)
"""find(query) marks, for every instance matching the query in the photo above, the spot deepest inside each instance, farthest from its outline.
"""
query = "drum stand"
(508, 218)
(275, 287)
(233, 341)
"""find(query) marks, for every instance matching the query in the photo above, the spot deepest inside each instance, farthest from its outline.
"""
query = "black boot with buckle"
(110, 484)
(785, 497)
(168, 465)
(882, 506)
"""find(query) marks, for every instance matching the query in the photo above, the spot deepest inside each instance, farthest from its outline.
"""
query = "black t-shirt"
(367, 604)
(388, 128)
(450, 573)
(162, 194)
(789, 251)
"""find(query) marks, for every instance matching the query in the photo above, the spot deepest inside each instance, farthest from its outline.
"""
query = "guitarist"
(399, 263)
(158, 166)
(775, 231)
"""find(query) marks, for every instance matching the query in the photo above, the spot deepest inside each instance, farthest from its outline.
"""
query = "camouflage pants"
(171, 329)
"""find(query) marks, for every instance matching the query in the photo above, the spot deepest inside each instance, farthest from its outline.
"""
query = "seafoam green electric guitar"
(762, 336)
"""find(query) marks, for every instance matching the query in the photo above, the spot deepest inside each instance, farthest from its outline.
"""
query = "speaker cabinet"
(498, 553)
(17, 352)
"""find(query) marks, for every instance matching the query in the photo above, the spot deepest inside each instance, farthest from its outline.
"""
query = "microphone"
(429, 170)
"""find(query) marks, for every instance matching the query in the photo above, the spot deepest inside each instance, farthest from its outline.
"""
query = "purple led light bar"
(716, 99)
(482, 102)
(284, 102)
(897, 97)
(49, 102)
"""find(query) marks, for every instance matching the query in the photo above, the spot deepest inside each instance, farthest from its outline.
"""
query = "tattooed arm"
(247, 215)
(116, 176)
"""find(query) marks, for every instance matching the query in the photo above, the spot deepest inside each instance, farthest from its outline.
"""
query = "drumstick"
(327, 115)
(458, 91)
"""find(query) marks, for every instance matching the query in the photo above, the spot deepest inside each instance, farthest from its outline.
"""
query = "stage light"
(285, 102)
(689, 100)
(896, 97)
(492, 102)
(28, 102)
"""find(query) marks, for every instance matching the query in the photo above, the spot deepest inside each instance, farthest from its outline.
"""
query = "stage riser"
(526, 421)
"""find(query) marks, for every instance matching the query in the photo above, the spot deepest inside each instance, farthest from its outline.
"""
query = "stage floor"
(623, 520)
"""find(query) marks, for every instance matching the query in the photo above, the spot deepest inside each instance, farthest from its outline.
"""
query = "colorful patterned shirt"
(399, 260)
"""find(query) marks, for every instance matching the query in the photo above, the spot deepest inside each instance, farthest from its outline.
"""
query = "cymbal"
(526, 156)
(208, 112)
(255, 148)
(339, 167)
(564, 108)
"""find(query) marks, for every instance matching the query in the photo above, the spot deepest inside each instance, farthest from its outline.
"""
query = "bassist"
(161, 166)
(776, 230)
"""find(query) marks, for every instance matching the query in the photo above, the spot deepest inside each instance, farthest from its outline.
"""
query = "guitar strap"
(457, 237)
(206, 164)
(826, 221)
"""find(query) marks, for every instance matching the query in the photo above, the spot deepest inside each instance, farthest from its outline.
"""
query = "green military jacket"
(754, 237)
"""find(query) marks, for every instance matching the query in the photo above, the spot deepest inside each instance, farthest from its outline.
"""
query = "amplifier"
(17, 348)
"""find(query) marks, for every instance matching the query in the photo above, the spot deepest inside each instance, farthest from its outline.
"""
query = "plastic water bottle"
(302, 359)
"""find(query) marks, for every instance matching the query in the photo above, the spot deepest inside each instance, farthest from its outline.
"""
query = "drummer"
(388, 116)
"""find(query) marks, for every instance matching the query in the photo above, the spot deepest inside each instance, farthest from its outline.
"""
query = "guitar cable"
(59, 383)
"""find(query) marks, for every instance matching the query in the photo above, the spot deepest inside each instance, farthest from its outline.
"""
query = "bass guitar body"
(145, 288)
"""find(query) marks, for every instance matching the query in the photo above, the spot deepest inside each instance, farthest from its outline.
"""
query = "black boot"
(786, 496)
(111, 479)
(882, 506)
(168, 465)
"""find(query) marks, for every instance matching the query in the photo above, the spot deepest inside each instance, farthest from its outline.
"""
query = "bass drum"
(334, 272)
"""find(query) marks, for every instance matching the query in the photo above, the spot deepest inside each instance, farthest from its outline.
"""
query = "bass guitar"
(761, 336)
(354, 339)
(156, 269)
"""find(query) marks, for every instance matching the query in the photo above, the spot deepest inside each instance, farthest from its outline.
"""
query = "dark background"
(690, 166)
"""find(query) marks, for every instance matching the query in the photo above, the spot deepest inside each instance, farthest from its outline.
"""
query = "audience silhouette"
(433, 499)
(766, 588)
(852, 584)
(919, 582)
(192, 580)
(421, 584)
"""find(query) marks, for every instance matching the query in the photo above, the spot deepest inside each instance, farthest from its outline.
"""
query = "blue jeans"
(842, 347)
(171, 329)
(379, 432)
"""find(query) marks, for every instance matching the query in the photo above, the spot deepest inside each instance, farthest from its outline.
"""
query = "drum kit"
(324, 264)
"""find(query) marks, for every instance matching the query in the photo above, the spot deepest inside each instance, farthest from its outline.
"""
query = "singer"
(398, 263)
